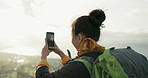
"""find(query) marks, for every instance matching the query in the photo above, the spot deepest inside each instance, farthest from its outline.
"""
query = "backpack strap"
(90, 59)
(88, 62)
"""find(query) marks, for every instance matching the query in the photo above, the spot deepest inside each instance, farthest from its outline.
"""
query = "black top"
(73, 69)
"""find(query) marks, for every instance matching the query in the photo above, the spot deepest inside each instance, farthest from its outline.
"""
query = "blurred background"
(24, 23)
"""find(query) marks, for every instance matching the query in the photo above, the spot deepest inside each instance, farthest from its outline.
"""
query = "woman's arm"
(72, 69)
(45, 52)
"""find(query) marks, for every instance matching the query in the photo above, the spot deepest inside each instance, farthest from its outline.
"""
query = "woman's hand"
(57, 50)
(45, 51)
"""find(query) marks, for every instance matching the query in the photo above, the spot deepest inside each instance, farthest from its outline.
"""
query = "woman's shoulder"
(75, 68)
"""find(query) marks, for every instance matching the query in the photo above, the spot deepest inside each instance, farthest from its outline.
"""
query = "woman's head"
(88, 26)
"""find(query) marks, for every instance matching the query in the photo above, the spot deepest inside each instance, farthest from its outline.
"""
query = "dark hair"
(89, 25)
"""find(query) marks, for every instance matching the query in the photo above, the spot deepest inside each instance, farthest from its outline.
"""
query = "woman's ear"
(80, 37)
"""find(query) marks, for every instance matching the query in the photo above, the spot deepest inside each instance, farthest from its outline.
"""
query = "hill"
(21, 66)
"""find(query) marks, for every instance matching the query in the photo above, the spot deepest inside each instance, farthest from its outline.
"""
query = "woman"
(85, 34)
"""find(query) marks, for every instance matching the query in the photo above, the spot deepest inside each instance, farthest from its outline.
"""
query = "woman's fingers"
(45, 50)
(46, 43)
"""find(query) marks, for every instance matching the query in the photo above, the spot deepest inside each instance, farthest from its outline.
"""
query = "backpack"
(117, 63)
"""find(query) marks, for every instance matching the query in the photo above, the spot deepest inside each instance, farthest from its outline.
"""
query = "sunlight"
(22, 50)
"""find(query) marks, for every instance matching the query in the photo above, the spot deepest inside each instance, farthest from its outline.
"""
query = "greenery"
(20, 66)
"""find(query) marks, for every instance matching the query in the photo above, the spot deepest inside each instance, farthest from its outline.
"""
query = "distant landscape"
(21, 66)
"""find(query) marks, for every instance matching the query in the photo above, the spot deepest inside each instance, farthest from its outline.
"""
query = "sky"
(24, 23)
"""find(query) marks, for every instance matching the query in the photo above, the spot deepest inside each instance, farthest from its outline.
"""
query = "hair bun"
(97, 17)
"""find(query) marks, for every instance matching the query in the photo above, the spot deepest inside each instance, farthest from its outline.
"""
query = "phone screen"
(50, 39)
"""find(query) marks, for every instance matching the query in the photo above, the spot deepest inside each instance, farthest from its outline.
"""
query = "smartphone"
(50, 39)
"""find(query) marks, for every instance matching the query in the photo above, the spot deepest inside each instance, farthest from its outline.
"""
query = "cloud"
(4, 44)
(32, 41)
(27, 7)
(137, 12)
(138, 41)
(145, 0)
(2, 3)
(125, 37)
